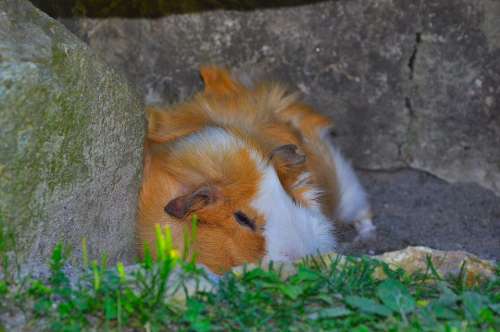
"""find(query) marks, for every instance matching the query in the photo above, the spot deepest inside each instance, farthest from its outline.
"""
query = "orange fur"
(174, 173)
(219, 82)
(306, 120)
(164, 126)
(264, 117)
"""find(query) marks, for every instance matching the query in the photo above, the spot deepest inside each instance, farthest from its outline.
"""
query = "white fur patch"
(365, 228)
(211, 137)
(220, 140)
(312, 195)
(291, 231)
(353, 206)
(353, 200)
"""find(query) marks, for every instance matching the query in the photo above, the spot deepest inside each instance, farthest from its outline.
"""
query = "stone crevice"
(408, 104)
(413, 56)
(409, 107)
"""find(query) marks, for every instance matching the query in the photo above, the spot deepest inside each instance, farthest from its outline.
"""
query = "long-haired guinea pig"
(257, 167)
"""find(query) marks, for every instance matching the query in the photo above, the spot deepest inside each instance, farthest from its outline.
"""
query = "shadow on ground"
(415, 208)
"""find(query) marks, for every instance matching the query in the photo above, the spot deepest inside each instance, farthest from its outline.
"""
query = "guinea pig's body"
(258, 169)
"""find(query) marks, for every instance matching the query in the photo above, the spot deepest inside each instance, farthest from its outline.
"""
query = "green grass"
(321, 295)
(346, 296)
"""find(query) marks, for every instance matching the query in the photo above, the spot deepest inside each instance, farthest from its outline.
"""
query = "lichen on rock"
(71, 140)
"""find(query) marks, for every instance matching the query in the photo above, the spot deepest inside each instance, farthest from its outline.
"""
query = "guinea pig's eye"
(242, 219)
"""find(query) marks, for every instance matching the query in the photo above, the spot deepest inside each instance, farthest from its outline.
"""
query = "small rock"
(413, 259)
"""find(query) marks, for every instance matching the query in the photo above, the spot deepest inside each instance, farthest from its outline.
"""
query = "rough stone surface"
(409, 83)
(71, 132)
(453, 100)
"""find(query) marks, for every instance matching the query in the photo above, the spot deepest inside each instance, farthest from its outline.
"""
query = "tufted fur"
(245, 148)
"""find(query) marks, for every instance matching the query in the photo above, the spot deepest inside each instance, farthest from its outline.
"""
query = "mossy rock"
(71, 132)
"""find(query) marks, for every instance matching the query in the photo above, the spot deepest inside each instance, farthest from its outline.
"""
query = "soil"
(415, 208)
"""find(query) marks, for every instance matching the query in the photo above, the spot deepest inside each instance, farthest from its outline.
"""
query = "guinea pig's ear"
(180, 206)
(219, 81)
(287, 155)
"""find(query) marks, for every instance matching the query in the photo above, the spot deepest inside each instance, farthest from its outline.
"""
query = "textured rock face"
(454, 98)
(409, 83)
(71, 135)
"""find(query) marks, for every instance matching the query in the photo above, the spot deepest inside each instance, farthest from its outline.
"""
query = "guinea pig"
(257, 167)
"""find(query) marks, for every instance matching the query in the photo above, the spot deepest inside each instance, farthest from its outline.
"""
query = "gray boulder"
(409, 83)
(71, 133)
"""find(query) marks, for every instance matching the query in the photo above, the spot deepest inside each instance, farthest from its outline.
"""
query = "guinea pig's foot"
(366, 230)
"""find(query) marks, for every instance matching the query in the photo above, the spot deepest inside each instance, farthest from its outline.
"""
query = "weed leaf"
(109, 308)
(305, 274)
(473, 304)
(396, 296)
(291, 291)
(495, 307)
(368, 305)
(332, 313)
(441, 311)
(447, 297)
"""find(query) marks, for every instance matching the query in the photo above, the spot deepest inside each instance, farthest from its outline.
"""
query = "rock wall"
(409, 83)
(71, 132)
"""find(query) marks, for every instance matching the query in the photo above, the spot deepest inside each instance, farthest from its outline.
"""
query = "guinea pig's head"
(244, 212)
